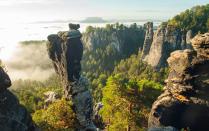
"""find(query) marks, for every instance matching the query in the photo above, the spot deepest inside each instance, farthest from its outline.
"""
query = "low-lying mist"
(30, 61)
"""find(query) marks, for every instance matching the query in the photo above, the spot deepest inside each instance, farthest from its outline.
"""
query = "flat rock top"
(180, 60)
(200, 39)
(200, 43)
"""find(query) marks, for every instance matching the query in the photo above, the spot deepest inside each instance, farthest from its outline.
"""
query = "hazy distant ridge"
(94, 20)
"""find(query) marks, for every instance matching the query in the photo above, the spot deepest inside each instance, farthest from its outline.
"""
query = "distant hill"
(94, 20)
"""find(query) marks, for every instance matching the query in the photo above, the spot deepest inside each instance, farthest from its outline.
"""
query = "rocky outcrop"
(97, 118)
(97, 38)
(148, 39)
(189, 36)
(66, 51)
(166, 39)
(123, 39)
(200, 43)
(50, 97)
(185, 101)
(13, 116)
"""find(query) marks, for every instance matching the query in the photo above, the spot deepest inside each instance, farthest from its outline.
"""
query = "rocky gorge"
(115, 77)
(154, 45)
(185, 90)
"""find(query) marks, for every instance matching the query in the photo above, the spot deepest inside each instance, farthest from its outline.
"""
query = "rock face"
(148, 39)
(5, 81)
(13, 116)
(165, 40)
(189, 36)
(97, 38)
(50, 97)
(66, 53)
(185, 101)
(124, 40)
(201, 44)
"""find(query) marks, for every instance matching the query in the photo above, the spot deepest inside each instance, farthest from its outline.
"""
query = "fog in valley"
(29, 61)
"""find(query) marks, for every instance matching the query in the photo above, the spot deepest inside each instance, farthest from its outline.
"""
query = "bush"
(58, 116)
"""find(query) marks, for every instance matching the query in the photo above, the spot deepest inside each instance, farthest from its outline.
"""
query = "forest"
(118, 78)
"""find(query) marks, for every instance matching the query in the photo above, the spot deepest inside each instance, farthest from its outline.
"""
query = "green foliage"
(99, 84)
(59, 116)
(132, 87)
(101, 60)
(127, 102)
(89, 29)
(126, 85)
(31, 93)
(104, 53)
(134, 67)
(120, 79)
(196, 19)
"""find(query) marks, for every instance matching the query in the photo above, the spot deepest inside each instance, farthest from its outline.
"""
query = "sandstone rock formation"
(200, 43)
(185, 100)
(50, 97)
(13, 116)
(66, 54)
(166, 39)
(124, 40)
(97, 118)
(148, 39)
(189, 36)
(96, 38)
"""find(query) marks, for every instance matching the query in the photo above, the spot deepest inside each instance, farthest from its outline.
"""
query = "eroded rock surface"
(166, 39)
(66, 50)
(200, 43)
(13, 116)
(185, 101)
(148, 39)
(122, 39)
(50, 97)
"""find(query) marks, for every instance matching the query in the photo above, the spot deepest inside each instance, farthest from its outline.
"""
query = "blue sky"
(40, 10)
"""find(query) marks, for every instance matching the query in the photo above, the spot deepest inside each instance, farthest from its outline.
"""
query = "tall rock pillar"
(148, 39)
(65, 50)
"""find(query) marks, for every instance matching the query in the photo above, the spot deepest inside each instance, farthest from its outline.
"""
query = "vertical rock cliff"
(13, 116)
(166, 39)
(65, 50)
(148, 39)
(126, 40)
(98, 38)
(185, 100)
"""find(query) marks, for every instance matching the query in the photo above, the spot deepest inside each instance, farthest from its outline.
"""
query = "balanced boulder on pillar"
(65, 50)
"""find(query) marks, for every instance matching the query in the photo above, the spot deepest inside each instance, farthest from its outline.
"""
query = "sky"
(17, 16)
(49, 10)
